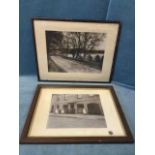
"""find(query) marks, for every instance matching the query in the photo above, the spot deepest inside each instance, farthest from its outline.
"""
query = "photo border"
(24, 139)
(83, 21)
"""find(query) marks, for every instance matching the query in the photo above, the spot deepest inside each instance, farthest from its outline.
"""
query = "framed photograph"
(74, 50)
(75, 115)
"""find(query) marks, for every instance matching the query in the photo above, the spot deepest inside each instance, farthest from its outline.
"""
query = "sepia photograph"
(76, 111)
(75, 51)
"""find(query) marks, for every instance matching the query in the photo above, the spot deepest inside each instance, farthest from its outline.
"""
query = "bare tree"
(82, 42)
(74, 43)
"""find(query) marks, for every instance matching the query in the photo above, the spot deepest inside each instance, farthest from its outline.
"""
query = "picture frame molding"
(24, 139)
(84, 21)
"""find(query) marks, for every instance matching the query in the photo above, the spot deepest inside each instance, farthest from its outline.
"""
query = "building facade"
(76, 104)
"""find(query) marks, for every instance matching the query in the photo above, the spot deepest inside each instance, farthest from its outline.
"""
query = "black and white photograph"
(76, 111)
(75, 115)
(75, 51)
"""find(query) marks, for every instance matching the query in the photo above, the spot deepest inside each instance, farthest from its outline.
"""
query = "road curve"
(72, 65)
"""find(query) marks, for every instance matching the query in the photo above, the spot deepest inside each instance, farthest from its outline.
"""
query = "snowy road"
(72, 65)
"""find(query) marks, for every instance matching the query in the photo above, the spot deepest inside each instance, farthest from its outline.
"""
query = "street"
(73, 121)
(72, 65)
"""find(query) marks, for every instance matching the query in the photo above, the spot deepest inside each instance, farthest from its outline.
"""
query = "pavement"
(78, 116)
(55, 121)
(72, 65)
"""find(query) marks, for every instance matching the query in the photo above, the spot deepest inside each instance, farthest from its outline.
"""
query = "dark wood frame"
(84, 21)
(24, 139)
